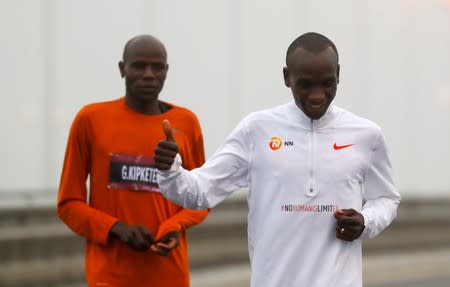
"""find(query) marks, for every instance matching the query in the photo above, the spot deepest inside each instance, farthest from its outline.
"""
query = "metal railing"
(36, 249)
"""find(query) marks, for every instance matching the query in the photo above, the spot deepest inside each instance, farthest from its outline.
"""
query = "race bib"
(133, 172)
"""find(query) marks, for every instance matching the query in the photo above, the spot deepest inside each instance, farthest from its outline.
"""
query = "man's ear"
(337, 73)
(286, 77)
(121, 69)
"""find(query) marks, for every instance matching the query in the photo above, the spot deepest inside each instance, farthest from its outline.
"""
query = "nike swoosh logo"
(338, 147)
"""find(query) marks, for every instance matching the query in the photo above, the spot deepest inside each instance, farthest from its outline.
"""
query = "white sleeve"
(381, 195)
(206, 186)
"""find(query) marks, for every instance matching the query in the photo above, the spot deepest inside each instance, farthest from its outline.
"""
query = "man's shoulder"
(277, 113)
(98, 107)
(348, 118)
(184, 111)
(182, 117)
(180, 112)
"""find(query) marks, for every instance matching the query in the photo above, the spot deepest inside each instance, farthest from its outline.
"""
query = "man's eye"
(304, 84)
(139, 66)
(329, 83)
(158, 67)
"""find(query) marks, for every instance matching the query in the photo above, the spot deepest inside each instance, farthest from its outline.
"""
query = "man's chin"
(146, 97)
(315, 117)
(316, 114)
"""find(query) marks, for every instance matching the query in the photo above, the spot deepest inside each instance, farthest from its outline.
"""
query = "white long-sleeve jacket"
(298, 171)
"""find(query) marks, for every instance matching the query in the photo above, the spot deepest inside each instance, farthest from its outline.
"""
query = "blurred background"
(226, 59)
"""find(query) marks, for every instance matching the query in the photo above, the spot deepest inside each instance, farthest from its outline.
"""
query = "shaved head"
(311, 42)
(312, 73)
(144, 67)
(138, 42)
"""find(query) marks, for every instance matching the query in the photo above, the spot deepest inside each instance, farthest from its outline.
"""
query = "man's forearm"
(378, 214)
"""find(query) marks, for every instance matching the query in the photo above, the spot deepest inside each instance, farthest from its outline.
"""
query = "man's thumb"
(168, 131)
(348, 212)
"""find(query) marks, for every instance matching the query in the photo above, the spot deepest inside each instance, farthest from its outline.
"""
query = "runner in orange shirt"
(134, 237)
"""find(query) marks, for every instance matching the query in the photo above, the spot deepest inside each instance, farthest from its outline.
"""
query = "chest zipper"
(312, 189)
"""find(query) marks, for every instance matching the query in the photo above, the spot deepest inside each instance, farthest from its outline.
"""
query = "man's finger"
(163, 245)
(346, 234)
(162, 166)
(168, 131)
(140, 242)
(161, 251)
(163, 149)
(172, 243)
(348, 221)
(348, 212)
(343, 237)
(163, 160)
(147, 235)
(168, 236)
(154, 248)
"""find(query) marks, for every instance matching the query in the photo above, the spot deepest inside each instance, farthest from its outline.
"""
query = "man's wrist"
(114, 231)
(177, 161)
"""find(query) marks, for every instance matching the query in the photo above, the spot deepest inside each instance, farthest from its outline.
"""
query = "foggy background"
(226, 59)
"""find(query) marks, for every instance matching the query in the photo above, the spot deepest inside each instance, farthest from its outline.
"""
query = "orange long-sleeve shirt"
(114, 145)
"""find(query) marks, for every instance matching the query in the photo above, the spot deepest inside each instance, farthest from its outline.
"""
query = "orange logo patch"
(275, 143)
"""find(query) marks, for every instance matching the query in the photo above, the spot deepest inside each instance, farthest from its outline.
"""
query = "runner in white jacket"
(309, 165)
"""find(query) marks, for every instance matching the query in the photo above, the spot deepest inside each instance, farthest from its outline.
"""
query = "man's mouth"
(147, 89)
(317, 106)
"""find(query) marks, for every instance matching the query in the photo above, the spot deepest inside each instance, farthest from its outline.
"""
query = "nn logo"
(276, 143)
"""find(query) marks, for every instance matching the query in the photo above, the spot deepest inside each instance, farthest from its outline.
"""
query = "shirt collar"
(306, 122)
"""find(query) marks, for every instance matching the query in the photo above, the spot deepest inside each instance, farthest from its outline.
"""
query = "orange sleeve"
(181, 221)
(195, 157)
(72, 205)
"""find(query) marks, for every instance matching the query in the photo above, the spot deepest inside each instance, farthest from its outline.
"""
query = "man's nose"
(317, 93)
(148, 72)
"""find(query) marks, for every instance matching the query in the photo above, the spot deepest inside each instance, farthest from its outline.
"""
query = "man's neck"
(150, 107)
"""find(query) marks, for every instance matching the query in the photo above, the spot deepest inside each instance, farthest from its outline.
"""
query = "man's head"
(312, 73)
(144, 67)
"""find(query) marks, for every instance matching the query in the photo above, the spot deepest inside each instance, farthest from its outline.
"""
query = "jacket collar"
(306, 122)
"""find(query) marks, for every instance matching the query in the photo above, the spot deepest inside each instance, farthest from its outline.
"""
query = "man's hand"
(138, 237)
(167, 149)
(167, 243)
(349, 225)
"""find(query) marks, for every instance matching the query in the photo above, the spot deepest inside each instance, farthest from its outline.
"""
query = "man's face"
(144, 69)
(313, 78)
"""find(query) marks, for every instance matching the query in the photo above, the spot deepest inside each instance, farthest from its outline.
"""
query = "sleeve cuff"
(177, 162)
(108, 225)
(365, 234)
(166, 227)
